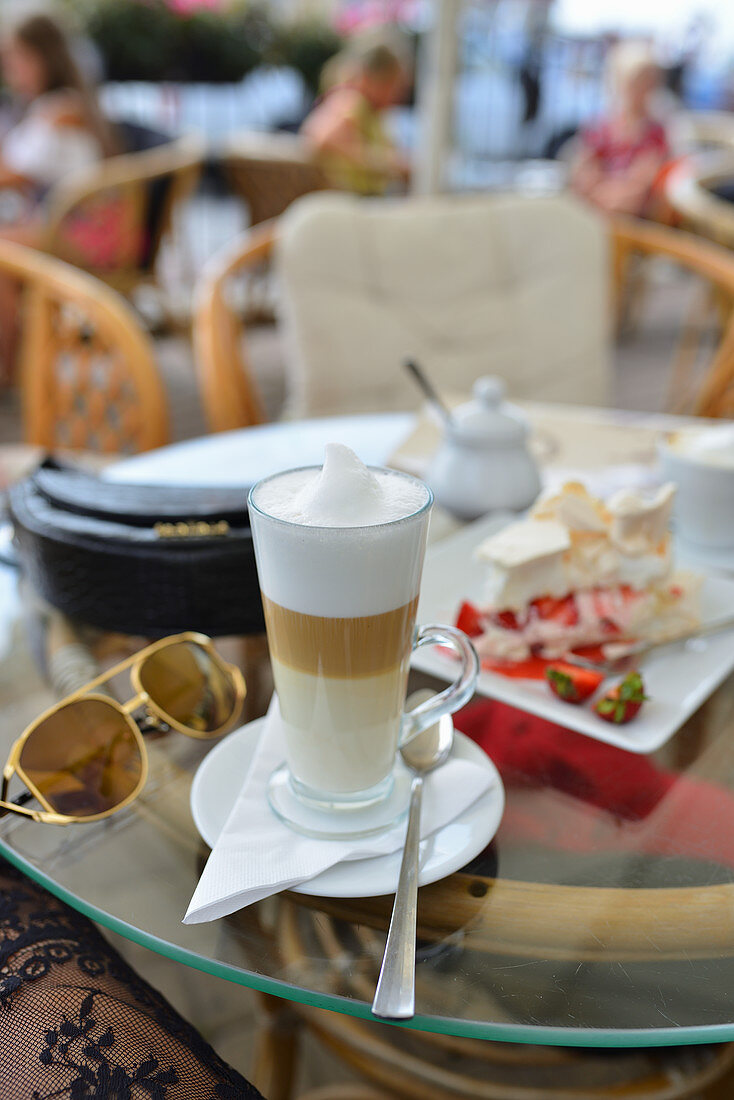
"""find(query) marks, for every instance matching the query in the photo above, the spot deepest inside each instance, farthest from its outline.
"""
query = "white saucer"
(219, 778)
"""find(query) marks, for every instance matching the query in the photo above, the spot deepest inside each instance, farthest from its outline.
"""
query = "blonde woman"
(346, 128)
(622, 157)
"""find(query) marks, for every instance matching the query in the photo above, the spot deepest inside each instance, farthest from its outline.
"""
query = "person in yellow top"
(346, 128)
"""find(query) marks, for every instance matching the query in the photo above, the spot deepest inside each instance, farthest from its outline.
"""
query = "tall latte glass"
(339, 553)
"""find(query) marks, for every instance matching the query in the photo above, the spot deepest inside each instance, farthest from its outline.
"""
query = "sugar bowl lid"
(486, 420)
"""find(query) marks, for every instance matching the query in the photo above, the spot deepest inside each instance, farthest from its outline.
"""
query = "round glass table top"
(602, 914)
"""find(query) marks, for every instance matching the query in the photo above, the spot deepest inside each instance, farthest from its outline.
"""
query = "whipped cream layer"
(572, 541)
(598, 616)
(340, 540)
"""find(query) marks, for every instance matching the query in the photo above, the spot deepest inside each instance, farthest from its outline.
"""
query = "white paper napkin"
(257, 855)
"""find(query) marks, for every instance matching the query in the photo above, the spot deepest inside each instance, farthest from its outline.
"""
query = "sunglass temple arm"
(37, 815)
(133, 659)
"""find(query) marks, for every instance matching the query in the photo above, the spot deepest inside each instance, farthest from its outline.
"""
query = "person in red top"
(621, 158)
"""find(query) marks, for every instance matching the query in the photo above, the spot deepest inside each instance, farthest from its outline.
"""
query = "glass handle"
(451, 698)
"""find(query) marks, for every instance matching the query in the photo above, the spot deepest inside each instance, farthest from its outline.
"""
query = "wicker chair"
(269, 171)
(230, 393)
(87, 373)
(112, 218)
(401, 1064)
(712, 394)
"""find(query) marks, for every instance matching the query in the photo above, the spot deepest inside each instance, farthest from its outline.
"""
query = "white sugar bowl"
(483, 463)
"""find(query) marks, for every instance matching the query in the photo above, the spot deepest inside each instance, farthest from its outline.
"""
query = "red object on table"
(588, 796)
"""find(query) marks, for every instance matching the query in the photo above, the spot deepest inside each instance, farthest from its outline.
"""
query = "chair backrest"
(228, 391)
(87, 373)
(231, 397)
(505, 285)
(269, 171)
(110, 218)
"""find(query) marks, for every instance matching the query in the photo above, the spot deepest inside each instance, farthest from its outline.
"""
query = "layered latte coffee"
(340, 554)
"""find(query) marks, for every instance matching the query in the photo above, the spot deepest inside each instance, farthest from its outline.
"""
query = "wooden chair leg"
(714, 396)
(721, 1089)
(631, 277)
(276, 1049)
(681, 386)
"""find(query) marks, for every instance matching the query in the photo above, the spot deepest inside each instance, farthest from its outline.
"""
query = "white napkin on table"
(257, 855)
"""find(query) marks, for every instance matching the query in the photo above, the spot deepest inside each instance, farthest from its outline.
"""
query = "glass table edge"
(497, 1032)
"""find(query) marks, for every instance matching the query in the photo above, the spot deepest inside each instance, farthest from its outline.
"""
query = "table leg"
(276, 1048)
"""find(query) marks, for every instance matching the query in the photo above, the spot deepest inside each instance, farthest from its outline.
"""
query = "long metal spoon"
(395, 993)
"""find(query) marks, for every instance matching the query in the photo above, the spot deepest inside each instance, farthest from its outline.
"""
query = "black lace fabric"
(77, 1022)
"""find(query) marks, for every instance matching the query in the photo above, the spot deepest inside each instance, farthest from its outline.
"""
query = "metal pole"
(437, 74)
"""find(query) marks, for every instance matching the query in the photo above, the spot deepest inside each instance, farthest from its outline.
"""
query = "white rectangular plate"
(677, 681)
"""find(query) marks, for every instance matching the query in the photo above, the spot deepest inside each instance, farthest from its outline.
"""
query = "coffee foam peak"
(325, 542)
(344, 493)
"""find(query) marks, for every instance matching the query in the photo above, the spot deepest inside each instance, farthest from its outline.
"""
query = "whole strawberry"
(570, 683)
(621, 703)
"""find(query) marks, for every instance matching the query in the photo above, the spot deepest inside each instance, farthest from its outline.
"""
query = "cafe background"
(500, 88)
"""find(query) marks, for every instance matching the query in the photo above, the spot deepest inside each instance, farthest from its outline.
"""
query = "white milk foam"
(343, 493)
(349, 542)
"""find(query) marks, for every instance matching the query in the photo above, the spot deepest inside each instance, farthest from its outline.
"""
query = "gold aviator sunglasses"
(84, 758)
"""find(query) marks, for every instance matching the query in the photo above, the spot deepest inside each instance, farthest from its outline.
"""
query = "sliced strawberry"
(572, 684)
(621, 703)
(506, 619)
(469, 620)
(562, 611)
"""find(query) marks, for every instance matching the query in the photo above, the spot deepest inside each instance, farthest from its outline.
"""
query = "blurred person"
(60, 128)
(61, 125)
(622, 158)
(346, 128)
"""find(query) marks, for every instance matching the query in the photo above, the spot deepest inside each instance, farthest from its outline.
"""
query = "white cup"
(340, 609)
(704, 502)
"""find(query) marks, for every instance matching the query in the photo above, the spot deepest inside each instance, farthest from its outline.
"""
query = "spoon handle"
(395, 993)
(427, 387)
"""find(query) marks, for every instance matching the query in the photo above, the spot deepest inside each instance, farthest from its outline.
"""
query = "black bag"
(148, 560)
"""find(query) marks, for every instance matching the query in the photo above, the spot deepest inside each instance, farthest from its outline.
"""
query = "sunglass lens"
(84, 759)
(188, 684)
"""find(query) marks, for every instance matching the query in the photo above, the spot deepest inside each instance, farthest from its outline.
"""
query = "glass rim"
(254, 507)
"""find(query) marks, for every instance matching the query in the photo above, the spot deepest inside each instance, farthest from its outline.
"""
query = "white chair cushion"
(506, 285)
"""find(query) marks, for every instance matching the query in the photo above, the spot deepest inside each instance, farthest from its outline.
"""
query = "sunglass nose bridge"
(151, 722)
(135, 703)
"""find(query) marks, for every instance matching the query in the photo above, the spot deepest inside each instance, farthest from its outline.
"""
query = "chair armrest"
(229, 393)
(711, 261)
(127, 171)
